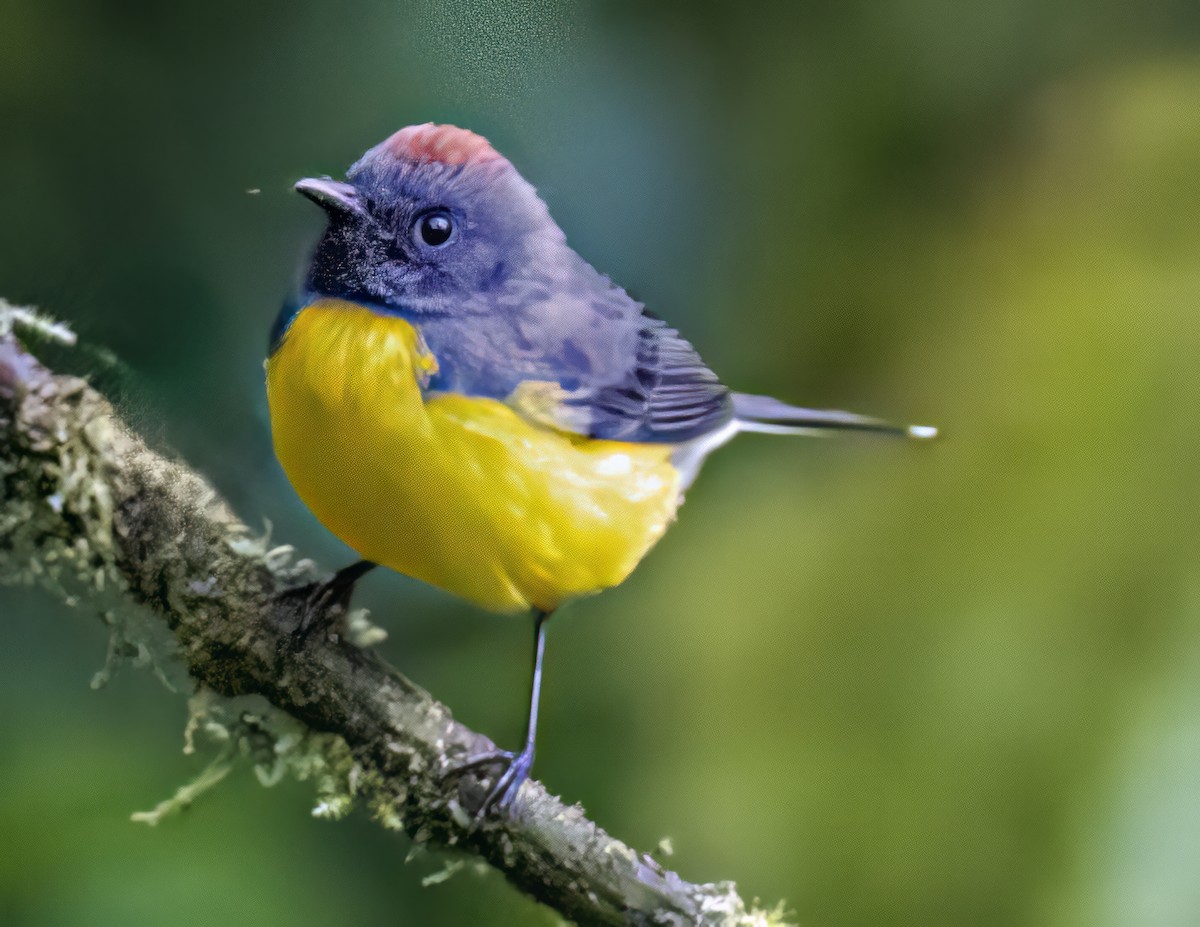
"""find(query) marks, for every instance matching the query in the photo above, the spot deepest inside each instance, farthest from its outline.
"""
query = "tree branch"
(90, 511)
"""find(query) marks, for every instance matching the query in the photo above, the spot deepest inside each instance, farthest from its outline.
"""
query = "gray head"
(426, 220)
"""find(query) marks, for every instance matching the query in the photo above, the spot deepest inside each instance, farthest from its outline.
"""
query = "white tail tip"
(923, 432)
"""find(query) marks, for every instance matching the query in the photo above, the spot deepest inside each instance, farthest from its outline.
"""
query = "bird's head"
(425, 221)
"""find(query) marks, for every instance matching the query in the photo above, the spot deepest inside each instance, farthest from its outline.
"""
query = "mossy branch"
(92, 513)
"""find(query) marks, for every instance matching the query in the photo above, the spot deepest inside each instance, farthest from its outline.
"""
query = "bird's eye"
(434, 229)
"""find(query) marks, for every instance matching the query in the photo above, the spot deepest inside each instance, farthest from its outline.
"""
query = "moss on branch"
(91, 513)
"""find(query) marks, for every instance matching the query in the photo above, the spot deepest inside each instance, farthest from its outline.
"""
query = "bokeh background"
(891, 684)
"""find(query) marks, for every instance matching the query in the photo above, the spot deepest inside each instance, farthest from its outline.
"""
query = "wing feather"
(669, 395)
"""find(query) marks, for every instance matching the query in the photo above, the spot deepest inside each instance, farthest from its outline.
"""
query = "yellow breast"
(461, 492)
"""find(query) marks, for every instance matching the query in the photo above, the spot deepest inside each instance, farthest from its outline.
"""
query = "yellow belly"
(461, 492)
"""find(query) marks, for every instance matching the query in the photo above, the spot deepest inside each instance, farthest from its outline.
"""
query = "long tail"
(762, 413)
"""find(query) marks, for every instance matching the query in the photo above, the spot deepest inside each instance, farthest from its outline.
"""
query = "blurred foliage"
(892, 684)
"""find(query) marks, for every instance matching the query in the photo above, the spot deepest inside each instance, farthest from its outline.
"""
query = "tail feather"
(765, 414)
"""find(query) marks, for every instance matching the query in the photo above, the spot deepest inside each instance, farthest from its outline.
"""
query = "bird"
(460, 397)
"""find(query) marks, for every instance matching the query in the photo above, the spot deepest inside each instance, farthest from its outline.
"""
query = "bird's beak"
(333, 196)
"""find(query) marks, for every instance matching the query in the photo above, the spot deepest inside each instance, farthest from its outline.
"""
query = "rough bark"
(93, 513)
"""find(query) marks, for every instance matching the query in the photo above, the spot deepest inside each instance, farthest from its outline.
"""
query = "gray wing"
(582, 356)
(667, 395)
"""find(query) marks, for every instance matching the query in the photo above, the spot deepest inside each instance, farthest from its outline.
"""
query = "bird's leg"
(324, 596)
(516, 766)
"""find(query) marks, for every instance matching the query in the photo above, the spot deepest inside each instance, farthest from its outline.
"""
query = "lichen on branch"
(94, 515)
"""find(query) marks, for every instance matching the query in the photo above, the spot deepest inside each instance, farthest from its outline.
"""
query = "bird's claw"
(320, 610)
(325, 602)
(317, 608)
(503, 792)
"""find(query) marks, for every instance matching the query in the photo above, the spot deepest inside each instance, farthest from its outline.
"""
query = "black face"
(354, 260)
(419, 239)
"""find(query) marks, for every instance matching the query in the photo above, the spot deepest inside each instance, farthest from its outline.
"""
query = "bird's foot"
(503, 791)
(325, 602)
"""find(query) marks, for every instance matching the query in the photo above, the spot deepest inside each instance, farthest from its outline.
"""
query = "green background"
(899, 684)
